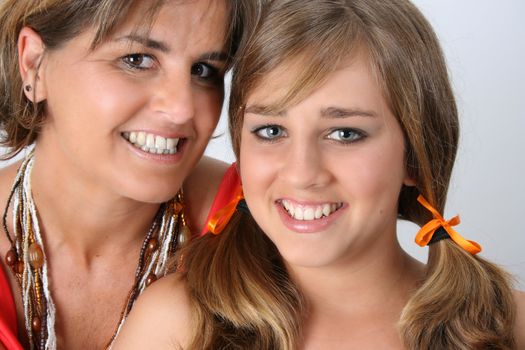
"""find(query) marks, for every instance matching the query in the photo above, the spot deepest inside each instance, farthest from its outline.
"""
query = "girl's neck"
(380, 276)
(357, 304)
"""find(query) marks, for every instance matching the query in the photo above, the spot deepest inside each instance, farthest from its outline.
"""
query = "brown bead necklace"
(27, 258)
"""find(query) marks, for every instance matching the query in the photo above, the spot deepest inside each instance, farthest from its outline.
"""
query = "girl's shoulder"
(519, 297)
(160, 318)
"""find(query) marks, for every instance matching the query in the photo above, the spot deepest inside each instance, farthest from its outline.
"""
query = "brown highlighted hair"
(240, 289)
(58, 21)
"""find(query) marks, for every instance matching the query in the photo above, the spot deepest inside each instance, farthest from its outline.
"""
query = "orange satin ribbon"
(220, 219)
(426, 232)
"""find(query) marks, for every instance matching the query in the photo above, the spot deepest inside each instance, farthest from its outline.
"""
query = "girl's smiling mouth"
(308, 212)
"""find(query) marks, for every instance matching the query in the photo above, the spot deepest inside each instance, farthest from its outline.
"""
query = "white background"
(484, 42)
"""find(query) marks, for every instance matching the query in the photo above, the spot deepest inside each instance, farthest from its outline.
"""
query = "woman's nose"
(173, 97)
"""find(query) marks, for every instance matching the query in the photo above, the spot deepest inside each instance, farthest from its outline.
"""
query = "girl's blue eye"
(269, 132)
(139, 61)
(346, 135)
(204, 71)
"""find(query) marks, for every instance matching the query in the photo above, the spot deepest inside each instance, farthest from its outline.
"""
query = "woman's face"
(322, 178)
(135, 114)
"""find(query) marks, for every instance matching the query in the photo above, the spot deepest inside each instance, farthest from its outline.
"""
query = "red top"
(230, 182)
(8, 327)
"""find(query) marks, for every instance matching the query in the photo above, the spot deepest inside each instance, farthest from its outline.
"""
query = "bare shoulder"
(200, 188)
(7, 177)
(160, 319)
(519, 297)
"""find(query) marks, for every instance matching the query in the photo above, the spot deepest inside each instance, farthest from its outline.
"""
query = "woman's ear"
(31, 51)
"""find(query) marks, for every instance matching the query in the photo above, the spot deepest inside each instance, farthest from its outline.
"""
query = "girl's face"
(322, 178)
(135, 114)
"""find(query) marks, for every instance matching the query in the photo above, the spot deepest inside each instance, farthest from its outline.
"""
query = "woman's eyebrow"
(214, 56)
(163, 47)
(145, 41)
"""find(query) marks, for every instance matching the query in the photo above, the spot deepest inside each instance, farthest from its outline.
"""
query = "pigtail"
(465, 302)
(241, 294)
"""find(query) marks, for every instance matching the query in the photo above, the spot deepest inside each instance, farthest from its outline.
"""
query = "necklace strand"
(27, 258)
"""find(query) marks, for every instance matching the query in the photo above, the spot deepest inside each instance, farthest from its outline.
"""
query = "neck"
(82, 214)
(375, 280)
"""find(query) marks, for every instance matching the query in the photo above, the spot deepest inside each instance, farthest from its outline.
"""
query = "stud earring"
(28, 88)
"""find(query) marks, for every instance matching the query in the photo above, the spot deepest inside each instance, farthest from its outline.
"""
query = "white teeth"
(141, 138)
(160, 142)
(152, 143)
(171, 143)
(150, 140)
(326, 209)
(309, 213)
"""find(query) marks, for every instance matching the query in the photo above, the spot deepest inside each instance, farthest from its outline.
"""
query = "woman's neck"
(82, 214)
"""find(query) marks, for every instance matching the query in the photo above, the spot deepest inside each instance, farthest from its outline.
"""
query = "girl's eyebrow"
(329, 112)
(163, 47)
(338, 112)
(264, 110)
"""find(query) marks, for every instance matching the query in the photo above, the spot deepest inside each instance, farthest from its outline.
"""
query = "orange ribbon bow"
(426, 232)
(220, 219)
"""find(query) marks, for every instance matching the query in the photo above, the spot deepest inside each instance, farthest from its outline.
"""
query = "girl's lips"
(309, 226)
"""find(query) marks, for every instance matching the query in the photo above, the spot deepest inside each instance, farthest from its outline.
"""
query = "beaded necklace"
(27, 258)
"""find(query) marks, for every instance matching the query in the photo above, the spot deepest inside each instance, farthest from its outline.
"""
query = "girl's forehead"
(291, 81)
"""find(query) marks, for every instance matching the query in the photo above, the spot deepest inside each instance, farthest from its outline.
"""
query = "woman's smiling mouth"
(151, 143)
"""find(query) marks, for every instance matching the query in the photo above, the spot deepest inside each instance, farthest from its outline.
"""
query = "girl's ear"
(31, 51)
(409, 181)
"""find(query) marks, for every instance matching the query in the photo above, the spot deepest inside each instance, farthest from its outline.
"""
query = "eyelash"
(141, 56)
(214, 76)
(357, 135)
(257, 130)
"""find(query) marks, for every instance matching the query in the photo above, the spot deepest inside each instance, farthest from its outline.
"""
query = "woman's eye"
(346, 135)
(269, 132)
(139, 61)
(204, 71)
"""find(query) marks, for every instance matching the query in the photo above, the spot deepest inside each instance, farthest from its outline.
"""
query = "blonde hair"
(464, 301)
(58, 21)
